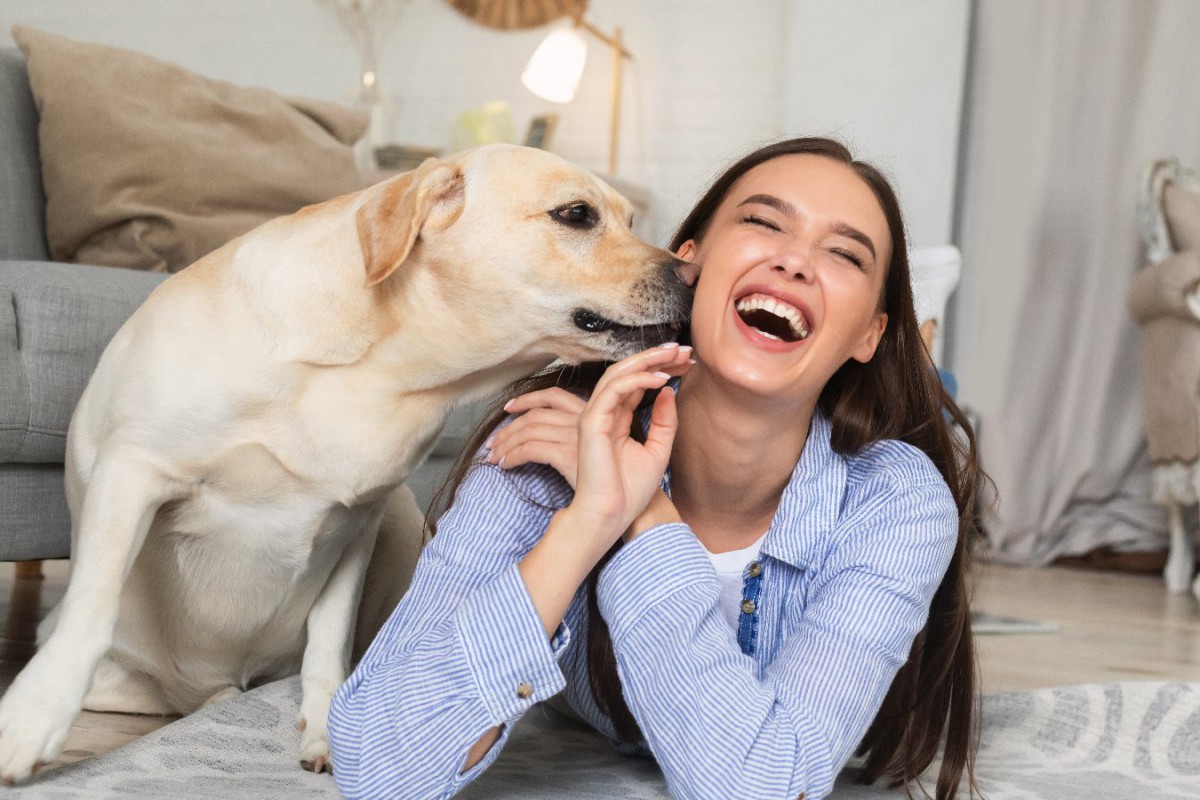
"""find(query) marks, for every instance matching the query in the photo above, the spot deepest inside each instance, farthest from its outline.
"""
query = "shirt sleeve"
(463, 652)
(719, 730)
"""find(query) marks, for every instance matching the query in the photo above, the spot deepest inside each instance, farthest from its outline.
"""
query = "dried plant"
(368, 23)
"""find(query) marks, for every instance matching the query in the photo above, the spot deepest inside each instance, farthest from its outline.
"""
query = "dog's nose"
(686, 272)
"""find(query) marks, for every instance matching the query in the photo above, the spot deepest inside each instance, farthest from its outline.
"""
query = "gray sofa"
(55, 320)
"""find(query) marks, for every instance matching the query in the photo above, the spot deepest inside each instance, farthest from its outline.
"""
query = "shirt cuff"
(513, 663)
(658, 563)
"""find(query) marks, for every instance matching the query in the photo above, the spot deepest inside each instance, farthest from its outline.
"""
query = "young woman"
(753, 575)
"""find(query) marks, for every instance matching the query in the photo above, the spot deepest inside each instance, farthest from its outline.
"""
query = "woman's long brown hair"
(896, 395)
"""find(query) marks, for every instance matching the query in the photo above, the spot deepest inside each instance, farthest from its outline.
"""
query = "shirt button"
(754, 570)
(748, 606)
(524, 691)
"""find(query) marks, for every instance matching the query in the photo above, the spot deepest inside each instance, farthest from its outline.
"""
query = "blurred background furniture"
(1164, 299)
(55, 320)
(935, 272)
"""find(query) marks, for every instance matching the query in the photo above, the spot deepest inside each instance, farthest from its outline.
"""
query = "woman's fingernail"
(666, 345)
(662, 375)
(509, 404)
(685, 348)
(488, 443)
(692, 361)
(500, 463)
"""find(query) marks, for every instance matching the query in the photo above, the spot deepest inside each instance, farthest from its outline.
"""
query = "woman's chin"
(744, 375)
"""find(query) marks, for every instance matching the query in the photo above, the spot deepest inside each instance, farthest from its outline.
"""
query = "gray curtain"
(1067, 100)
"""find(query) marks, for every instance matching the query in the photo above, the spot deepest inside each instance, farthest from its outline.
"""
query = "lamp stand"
(619, 52)
(615, 116)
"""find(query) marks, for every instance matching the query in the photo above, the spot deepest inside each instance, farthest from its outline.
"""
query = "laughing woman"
(751, 576)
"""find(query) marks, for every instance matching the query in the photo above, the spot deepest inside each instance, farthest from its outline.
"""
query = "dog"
(238, 459)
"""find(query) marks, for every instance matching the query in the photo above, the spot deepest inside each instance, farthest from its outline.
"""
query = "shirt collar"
(811, 501)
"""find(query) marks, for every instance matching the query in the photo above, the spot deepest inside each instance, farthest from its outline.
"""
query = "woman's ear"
(866, 348)
(687, 250)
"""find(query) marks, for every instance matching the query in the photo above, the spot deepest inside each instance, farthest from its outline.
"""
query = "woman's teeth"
(772, 317)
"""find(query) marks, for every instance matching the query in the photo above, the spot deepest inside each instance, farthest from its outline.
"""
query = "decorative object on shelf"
(554, 70)
(541, 131)
(1165, 300)
(402, 158)
(491, 123)
(368, 23)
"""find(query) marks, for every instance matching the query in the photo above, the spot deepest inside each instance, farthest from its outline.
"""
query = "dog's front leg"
(327, 655)
(120, 503)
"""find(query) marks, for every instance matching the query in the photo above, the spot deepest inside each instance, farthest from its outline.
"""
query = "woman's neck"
(731, 461)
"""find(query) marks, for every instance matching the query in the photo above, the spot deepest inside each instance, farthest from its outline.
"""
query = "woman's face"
(791, 271)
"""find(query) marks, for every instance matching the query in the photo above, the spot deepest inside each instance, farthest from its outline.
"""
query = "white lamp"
(554, 70)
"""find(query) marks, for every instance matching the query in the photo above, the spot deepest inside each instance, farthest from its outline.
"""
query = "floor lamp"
(554, 70)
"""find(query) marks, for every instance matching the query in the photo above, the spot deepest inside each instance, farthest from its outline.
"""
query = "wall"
(886, 77)
(709, 79)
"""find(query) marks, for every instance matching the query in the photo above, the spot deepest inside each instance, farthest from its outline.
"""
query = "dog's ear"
(395, 213)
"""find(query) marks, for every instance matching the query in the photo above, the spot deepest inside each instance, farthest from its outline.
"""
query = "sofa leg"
(29, 570)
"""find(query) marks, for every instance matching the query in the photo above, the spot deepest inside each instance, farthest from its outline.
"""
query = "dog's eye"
(577, 215)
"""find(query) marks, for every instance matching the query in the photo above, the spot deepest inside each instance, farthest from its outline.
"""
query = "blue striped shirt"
(843, 584)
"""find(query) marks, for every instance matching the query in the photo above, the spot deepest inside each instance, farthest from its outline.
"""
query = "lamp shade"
(554, 69)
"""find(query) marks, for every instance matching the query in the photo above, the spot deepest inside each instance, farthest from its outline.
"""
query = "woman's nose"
(794, 262)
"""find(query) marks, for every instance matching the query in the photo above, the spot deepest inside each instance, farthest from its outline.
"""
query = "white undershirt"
(729, 567)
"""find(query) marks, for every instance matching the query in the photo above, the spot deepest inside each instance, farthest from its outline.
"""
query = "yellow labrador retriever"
(238, 458)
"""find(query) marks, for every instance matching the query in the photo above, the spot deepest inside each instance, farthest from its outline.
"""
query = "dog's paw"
(33, 729)
(314, 750)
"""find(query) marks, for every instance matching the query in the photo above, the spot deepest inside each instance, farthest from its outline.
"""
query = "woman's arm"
(716, 728)
(464, 653)
(552, 572)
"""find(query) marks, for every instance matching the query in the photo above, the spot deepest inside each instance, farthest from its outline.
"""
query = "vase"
(369, 96)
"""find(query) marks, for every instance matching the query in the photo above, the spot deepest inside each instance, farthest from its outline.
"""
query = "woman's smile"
(772, 319)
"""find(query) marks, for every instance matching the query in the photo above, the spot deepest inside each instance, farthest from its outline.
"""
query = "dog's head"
(522, 242)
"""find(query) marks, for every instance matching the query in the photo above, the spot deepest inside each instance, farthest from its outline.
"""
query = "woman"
(765, 575)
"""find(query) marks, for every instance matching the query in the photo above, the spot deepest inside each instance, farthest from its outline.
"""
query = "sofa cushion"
(34, 522)
(22, 203)
(149, 166)
(55, 321)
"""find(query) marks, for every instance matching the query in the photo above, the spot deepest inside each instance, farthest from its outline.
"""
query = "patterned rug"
(1121, 740)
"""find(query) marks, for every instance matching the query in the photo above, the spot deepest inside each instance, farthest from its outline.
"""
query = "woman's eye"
(766, 223)
(577, 215)
(851, 257)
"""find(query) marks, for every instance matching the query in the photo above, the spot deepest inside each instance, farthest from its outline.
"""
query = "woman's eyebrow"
(777, 203)
(784, 207)
(842, 229)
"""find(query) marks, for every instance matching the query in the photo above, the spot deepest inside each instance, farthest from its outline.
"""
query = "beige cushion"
(149, 166)
(1182, 209)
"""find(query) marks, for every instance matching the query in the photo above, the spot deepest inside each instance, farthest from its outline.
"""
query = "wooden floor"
(1111, 627)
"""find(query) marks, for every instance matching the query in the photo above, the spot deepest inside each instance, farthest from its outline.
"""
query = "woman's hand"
(616, 476)
(546, 430)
